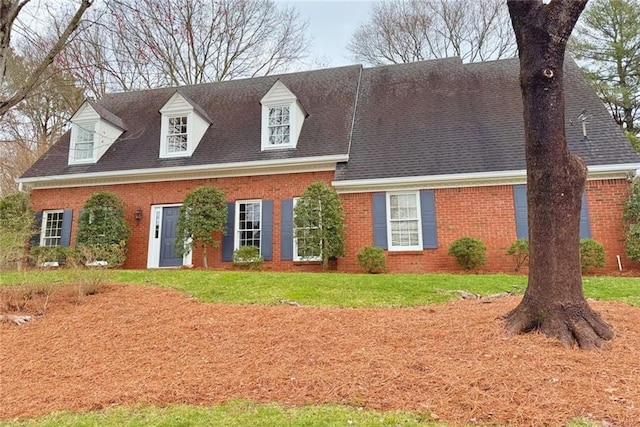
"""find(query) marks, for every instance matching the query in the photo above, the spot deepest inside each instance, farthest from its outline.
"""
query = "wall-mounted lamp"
(138, 214)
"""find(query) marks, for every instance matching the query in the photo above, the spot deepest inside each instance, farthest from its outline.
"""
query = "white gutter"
(262, 167)
(473, 179)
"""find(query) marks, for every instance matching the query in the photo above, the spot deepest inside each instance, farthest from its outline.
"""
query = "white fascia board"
(222, 170)
(473, 179)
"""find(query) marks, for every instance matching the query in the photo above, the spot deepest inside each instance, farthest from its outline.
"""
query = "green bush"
(591, 254)
(372, 259)
(248, 257)
(468, 252)
(519, 251)
(38, 255)
(16, 227)
(632, 221)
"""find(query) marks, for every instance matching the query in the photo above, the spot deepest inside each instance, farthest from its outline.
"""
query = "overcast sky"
(331, 24)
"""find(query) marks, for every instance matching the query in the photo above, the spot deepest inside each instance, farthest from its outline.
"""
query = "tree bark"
(554, 302)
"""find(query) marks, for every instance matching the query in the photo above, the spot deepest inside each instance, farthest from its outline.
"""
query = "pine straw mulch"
(135, 345)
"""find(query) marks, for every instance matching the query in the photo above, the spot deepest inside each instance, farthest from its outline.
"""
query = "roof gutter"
(474, 179)
(181, 173)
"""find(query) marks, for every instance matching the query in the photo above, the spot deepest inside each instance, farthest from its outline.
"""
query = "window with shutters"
(403, 221)
(51, 233)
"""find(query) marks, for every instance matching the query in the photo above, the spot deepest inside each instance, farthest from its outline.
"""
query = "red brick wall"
(486, 213)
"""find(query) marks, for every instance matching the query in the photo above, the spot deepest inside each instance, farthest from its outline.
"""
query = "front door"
(168, 257)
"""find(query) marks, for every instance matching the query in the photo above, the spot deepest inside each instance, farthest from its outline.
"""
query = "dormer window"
(82, 142)
(183, 125)
(282, 118)
(279, 126)
(93, 131)
(177, 135)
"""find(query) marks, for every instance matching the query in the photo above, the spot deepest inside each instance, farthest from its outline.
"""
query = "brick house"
(421, 154)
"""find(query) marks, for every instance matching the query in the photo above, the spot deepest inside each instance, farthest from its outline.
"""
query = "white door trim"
(153, 253)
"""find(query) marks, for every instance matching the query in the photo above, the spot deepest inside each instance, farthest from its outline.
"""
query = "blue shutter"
(380, 220)
(227, 239)
(585, 230)
(65, 233)
(266, 243)
(520, 203)
(286, 230)
(428, 208)
(35, 238)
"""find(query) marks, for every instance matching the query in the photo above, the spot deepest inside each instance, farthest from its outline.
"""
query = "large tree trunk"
(553, 302)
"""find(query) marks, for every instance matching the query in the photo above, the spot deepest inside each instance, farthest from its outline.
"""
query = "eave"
(223, 170)
(474, 179)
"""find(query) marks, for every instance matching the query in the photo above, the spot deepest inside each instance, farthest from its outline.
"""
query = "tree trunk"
(553, 302)
(205, 264)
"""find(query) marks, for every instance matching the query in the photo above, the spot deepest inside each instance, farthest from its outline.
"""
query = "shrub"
(632, 220)
(591, 254)
(39, 255)
(16, 227)
(111, 256)
(372, 259)
(519, 251)
(248, 257)
(468, 252)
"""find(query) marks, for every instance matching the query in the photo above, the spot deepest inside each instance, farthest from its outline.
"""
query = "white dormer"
(183, 126)
(282, 118)
(93, 131)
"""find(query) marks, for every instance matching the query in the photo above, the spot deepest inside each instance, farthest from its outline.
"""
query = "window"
(51, 234)
(248, 223)
(83, 141)
(301, 250)
(403, 216)
(279, 129)
(177, 135)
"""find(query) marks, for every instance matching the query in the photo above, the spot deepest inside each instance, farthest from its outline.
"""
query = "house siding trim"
(138, 176)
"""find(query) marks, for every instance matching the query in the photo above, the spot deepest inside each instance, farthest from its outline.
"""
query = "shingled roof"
(435, 117)
(443, 117)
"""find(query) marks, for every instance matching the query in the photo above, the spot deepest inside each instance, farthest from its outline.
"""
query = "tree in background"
(16, 227)
(134, 44)
(554, 302)
(415, 30)
(318, 220)
(607, 44)
(9, 12)
(202, 213)
(33, 125)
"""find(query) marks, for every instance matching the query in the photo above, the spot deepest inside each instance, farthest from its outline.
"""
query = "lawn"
(330, 290)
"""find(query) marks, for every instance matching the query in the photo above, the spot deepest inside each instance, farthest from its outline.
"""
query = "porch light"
(138, 214)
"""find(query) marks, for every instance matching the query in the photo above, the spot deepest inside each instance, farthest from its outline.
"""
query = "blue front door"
(168, 257)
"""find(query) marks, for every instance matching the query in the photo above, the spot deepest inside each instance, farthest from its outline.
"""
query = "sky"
(331, 25)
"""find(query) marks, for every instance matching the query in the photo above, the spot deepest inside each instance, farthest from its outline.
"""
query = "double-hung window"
(83, 142)
(403, 217)
(51, 233)
(248, 223)
(279, 126)
(177, 133)
(303, 250)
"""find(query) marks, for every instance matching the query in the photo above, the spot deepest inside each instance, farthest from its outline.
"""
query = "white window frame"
(236, 227)
(78, 129)
(266, 140)
(390, 244)
(164, 135)
(43, 230)
(296, 255)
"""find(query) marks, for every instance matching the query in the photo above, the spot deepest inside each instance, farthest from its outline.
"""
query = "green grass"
(237, 413)
(312, 289)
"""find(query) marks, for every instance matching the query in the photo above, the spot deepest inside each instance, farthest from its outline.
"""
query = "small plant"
(248, 257)
(591, 254)
(42, 256)
(372, 259)
(519, 251)
(109, 256)
(468, 252)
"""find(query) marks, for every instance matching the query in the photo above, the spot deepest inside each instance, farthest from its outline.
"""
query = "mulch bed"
(133, 345)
